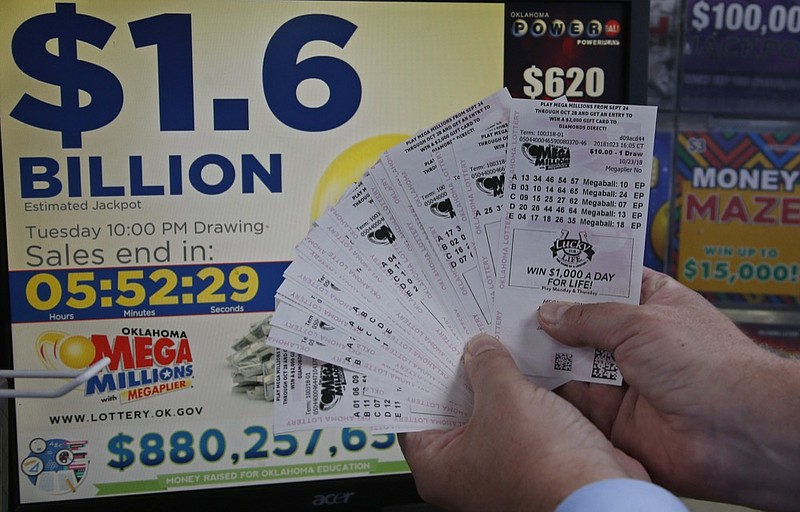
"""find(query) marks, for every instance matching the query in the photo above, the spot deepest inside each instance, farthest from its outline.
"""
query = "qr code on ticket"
(604, 366)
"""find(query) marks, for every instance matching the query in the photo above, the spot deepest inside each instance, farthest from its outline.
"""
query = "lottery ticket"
(468, 226)
(389, 283)
(456, 243)
(314, 333)
(382, 383)
(356, 311)
(394, 358)
(414, 248)
(480, 160)
(428, 206)
(312, 394)
(300, 332)
(576, 196)
(423, 366)
(320, 394)
(343, 268)
(292, 319)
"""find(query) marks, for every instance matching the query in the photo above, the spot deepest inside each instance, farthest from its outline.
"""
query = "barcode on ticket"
(604, 366)
(563, 362)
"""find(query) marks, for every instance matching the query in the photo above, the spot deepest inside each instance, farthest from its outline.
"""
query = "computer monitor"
(160, 159)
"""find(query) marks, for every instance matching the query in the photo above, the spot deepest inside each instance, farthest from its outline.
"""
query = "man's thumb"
(603, 325)
(489, 366)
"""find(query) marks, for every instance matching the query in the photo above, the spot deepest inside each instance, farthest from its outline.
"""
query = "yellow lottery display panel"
(160, 161)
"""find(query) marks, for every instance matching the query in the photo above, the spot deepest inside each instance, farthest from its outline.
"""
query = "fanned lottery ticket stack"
(467, 227)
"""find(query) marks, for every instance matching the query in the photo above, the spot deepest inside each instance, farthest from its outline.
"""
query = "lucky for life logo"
(55, 466)
(572, 252)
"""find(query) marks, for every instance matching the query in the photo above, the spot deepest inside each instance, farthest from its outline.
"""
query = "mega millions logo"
(144, 362)
(381, 236)
(548, 157)
(491, 185)
(332, 384)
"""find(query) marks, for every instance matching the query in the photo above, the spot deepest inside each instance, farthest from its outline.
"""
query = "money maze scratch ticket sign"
(161, 159)
(737, 194)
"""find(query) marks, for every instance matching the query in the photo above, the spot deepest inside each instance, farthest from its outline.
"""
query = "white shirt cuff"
(621, 495)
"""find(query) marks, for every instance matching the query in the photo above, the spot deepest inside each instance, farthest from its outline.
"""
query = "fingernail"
(481, 343)
(552, 312)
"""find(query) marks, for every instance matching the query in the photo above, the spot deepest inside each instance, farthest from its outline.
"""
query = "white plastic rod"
(78, 377)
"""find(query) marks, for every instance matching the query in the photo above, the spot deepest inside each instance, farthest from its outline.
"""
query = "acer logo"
(334, 498)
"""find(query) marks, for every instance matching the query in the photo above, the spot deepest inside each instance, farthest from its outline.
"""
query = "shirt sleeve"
(621, 495)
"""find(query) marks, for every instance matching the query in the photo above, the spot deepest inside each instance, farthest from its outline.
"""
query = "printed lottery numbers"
(544, 198)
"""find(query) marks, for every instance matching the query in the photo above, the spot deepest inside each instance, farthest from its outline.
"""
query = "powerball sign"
(160, 161)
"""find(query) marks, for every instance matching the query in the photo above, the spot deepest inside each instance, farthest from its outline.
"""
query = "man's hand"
(707, 412)
(524, 447)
